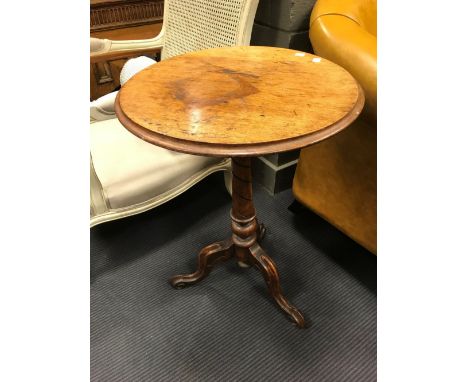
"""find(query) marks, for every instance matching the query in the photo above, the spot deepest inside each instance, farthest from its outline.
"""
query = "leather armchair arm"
(341, 40)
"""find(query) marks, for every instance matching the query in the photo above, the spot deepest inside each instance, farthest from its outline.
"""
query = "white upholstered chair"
(129, 175)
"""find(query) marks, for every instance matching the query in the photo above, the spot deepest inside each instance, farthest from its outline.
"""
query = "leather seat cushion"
(132, 171)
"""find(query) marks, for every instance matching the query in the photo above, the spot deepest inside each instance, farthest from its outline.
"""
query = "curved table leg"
(208, 256)
(270, 273)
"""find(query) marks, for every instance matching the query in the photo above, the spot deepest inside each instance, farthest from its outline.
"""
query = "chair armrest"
(341, 40)
(104, 49)
(103, 108)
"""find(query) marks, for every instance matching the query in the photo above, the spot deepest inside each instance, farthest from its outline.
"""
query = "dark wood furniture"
(117, 14)
(240, 102)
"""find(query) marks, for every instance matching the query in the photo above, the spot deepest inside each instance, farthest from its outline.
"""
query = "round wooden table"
(240, 102)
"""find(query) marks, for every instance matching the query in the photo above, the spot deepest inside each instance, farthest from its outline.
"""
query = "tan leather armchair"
(337, 177)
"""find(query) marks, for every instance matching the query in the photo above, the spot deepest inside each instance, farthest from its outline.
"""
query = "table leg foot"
(270, 273)
(207, 257)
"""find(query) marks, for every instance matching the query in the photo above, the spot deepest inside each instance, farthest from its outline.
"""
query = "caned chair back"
(191, 25)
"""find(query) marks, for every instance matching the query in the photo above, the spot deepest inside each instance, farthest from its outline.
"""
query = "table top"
(239, 101)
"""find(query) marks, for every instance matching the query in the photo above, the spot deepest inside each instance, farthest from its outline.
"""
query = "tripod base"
(254, 255)
(243, 245)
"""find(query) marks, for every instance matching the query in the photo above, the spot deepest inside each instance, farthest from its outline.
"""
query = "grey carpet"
(227, 328)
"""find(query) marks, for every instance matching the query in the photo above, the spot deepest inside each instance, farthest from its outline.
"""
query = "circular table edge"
(239, 150)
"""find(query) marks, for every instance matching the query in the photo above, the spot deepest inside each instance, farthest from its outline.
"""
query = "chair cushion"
(132, 171)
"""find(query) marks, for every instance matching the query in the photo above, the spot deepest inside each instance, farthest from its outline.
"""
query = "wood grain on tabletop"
(228, 99)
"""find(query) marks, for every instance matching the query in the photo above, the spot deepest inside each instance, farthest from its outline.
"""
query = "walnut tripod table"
(240, 102)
